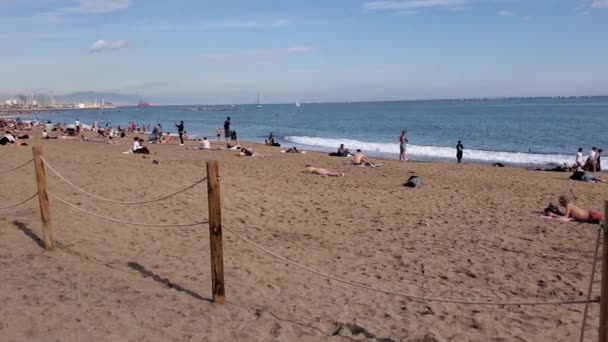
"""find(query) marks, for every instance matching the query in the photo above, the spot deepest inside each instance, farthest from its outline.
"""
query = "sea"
(523, 131)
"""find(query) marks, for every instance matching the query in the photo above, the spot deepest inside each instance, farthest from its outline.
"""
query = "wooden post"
(43, 200)
(604, 293)
(215, 232)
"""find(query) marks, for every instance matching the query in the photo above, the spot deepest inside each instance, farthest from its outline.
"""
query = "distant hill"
(93, 96)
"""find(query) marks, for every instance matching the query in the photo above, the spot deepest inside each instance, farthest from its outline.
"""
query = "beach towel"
(561, 219)
(598, 220)
(369, 165)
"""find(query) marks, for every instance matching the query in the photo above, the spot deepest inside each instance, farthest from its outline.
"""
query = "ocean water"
(540, 131)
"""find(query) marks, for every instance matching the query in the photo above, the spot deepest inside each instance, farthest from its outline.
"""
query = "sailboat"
(257, 102)
(298, 103)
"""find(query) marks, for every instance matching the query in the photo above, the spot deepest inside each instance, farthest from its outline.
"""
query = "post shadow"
(29, 233)
(147, 273)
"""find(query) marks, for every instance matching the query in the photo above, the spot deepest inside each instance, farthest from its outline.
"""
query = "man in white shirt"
(205, 145)
(136, 145)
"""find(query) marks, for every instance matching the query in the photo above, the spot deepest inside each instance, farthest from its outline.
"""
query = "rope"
(404, 295)
(597, 247)
(18, 167)
(123, 222)
(120, 202)
(16, 205)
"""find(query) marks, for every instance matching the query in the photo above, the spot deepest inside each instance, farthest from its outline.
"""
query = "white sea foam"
(440, 152)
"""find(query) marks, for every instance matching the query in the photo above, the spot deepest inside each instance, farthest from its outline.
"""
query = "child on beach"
(218, 132)
(575, 212)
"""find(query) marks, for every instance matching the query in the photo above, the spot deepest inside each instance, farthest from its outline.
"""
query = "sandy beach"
(471, 232)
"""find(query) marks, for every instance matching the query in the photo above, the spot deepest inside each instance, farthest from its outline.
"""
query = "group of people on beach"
(593, 163)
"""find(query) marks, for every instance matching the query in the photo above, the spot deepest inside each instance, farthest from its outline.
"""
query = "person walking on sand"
(227, 128)
(459, 151)
(218, 132)
(403, 146)
(580, 161)
(180, 131)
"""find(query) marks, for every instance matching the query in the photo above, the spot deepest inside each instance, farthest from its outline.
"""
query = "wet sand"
(471, 232)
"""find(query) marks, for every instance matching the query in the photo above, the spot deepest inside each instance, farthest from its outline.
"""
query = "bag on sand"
(413, 182)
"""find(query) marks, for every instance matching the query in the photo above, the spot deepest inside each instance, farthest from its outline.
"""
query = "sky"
(228, 51)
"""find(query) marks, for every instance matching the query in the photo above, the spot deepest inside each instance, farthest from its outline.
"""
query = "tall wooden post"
(43, 200)
(604, 293)
(215, 232)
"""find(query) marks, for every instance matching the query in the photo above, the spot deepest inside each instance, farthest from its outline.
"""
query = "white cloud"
(226, 25)
(256, 55)
(600, 4)
(89, 7)
(505, 13)
(104, 45)
(414, 4)
(98, 6)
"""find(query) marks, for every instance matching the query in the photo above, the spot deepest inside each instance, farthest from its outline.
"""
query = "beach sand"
(470, 233)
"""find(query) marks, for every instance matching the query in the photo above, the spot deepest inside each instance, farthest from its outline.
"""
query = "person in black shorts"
(227, 128)
(180, 131)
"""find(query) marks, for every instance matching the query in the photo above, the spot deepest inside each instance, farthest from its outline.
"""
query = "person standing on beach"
(218, 132)
(580, 162)
(459, 151)
(403, 146)
(180, 131)
(227, 128)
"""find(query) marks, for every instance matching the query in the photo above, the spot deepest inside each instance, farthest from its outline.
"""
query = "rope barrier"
(18, 167)
(404, 295)
(115, 201)
(16, 205)
(597, 247)
(120, 221)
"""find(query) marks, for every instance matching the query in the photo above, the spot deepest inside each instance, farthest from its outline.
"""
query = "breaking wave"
(439, 152)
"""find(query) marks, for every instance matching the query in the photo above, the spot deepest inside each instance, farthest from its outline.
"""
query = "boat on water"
(297, 103)
(143, 104)
(257, 102)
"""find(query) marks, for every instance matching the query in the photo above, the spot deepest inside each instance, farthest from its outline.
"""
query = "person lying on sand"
(575, 212)
(247, 152)
(586, 177)
(294, 150)
(233, 147)
(101, 140)
(321, 172)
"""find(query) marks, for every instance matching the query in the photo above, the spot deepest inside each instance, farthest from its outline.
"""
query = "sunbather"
(322, 172)
(572, 211)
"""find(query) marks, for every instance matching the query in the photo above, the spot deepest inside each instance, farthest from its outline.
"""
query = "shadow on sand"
(147, 273)
(29, 233)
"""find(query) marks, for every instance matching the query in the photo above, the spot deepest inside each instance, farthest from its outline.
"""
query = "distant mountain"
(93, 96)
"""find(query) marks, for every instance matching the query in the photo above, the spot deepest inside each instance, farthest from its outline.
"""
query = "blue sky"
(198, 51)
